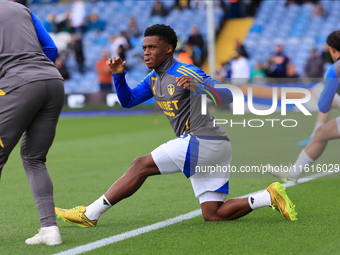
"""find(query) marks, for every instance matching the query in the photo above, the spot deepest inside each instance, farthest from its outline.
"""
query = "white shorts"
(206, 162)
(338, 123)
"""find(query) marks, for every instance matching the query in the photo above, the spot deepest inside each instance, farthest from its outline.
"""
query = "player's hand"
(187, 82)
(116, 65)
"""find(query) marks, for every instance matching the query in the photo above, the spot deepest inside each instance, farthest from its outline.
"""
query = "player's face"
(155, 51)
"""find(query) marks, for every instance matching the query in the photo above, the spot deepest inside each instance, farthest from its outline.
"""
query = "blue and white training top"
(181, 106)
(331, 87)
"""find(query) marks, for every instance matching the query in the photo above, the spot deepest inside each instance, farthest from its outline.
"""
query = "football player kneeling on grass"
(178, 88)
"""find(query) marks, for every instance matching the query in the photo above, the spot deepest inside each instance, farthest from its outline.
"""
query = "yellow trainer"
(75, 216)
(281, 202)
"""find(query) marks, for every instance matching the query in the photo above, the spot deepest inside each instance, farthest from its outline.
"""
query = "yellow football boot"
(75, 216)
(281, 202)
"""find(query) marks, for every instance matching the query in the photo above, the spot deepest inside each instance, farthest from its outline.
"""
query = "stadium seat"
(274, 23)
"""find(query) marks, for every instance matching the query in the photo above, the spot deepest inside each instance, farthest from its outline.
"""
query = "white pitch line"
(132, 233)
(162, 224)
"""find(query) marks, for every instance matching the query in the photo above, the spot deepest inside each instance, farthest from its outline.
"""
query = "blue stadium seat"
(320, 39)
(308, 41)
(256, 29)
(274, 23)
(294, 41)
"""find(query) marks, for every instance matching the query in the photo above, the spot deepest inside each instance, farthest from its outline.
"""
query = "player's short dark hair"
(333, 40)
(164, 32)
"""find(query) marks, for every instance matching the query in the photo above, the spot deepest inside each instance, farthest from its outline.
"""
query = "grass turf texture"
(89, 154)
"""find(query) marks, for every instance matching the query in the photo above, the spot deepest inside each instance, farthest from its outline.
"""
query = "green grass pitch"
(89, 154)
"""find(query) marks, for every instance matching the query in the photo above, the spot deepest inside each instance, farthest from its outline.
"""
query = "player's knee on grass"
(209, 210)
(209, 217)
(213, 217)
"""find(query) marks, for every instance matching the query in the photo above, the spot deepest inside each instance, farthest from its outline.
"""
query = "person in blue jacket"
(31, 99)
(329, 130)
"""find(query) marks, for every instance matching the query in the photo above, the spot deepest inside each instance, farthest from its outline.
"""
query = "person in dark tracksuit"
(31, 99)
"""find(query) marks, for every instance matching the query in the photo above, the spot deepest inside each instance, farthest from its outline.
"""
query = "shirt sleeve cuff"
(200, 86)
(119, 75)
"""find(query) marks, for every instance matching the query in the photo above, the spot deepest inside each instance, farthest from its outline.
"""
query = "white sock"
(48, 228)
(299, 165)
(317, 125)
(260, 200)
(97, 208)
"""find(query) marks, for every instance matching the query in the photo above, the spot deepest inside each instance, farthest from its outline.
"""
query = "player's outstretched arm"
(127, 97)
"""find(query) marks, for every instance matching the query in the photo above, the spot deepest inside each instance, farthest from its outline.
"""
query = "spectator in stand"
(314, 67)
(257, 74)
(196, 39)
(62, 68)
(326, 56)
(291, 2)
(76, 48)
(234, 9)
(182, 4)
(94, 24)
(244, 7)
(225, 5)
(133, 30)
(240, 48)
(78, 16)
(23, 2)
(277, 63)
(63, 22)
(197, 5)
(291, 72)
(159, 10)
(121, 52)
(240, 71)
(104, 73)
(50, 24)
(184, 55)
(116, 42)
(318, 11)
(253, 7)
(224, 72)
(197, 43)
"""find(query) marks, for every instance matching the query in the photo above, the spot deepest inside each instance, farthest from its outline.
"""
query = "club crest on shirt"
(171, 89)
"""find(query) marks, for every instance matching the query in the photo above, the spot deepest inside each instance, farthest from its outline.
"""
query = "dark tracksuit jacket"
(31, 99)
